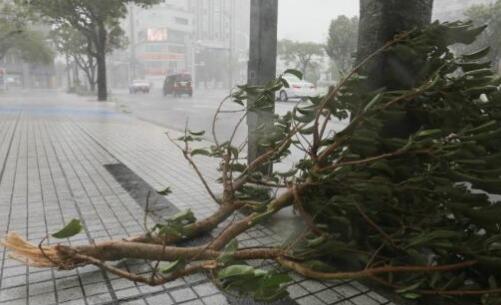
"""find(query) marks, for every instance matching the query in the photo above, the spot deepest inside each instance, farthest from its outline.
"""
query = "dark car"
(178, 84)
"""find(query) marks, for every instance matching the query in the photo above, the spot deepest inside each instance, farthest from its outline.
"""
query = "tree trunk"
(102, 90)
(92, 86)
(102, 86)
(380, 21)
(304, 66)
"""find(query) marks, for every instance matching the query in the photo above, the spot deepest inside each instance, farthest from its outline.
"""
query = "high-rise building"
(159, 41)
(221, 39)
(207, 38)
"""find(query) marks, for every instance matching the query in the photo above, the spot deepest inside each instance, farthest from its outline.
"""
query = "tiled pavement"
(53, 152)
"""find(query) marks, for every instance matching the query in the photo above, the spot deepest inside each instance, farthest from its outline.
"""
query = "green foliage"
(261, 285)
(304, 55)
(166, 191)
(487, 14)
(407, 181)
(17, 38)
(177, 225)
(73, 228)
(171, 266)
(32, 47)
(429, 195)
(229, 251)
(342, 41)
(98, 21)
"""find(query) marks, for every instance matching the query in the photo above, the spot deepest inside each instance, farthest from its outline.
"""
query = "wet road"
(197, 112)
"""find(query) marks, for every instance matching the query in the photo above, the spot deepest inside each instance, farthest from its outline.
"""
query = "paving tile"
(183, 294)
(310, 300)
(205, 289)
(43, 299)
(55, 171)
(215, 299)
(163, 299)
(364, 300)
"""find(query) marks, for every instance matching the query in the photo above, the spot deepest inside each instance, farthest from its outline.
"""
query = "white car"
(139, 86)
(298, 89)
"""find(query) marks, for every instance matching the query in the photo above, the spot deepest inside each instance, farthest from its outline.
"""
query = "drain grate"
(159, 207)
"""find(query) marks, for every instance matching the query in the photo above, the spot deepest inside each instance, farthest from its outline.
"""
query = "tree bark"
(380, 21)
(102, 90)
(102, 86)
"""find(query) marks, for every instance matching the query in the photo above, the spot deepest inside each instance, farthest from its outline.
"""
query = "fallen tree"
(409, 213)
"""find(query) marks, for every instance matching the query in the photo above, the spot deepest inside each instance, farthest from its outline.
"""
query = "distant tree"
(342, 41)
(32, 47)
(81, 49)
(97, 20)
(490, 15)
(300, 54)
(15, 37)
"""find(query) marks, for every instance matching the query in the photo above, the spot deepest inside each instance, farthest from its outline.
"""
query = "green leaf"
(165, 192)
(294, 72)
(170, 230)
(185, 217)
(200, 152)
(410, 288)
(228, 252)
(170, 266)
(474, 66)
(235, 271)
(232, 247)
(275, 280)
(429, 133)
(73, 228)
(285, 82)
(411, 296)
(288, 174)
(477, 55)
(197, 133)
(373, 102)
(238, 101)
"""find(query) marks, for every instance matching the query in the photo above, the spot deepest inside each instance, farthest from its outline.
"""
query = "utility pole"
(262, 68)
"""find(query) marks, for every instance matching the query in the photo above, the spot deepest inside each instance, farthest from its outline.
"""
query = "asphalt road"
(196, 112)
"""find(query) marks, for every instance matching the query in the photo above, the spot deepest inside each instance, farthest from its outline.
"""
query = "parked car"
(178, 84)
(139, 86)
(298, 89)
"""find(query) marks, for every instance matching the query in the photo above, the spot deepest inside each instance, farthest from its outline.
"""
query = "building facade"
(206, 38)
(221, 41)
(159, 40)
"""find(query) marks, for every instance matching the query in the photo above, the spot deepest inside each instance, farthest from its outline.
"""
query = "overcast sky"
(309, 20)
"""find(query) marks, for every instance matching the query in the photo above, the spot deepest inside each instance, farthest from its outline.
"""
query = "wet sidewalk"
(64, 157)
